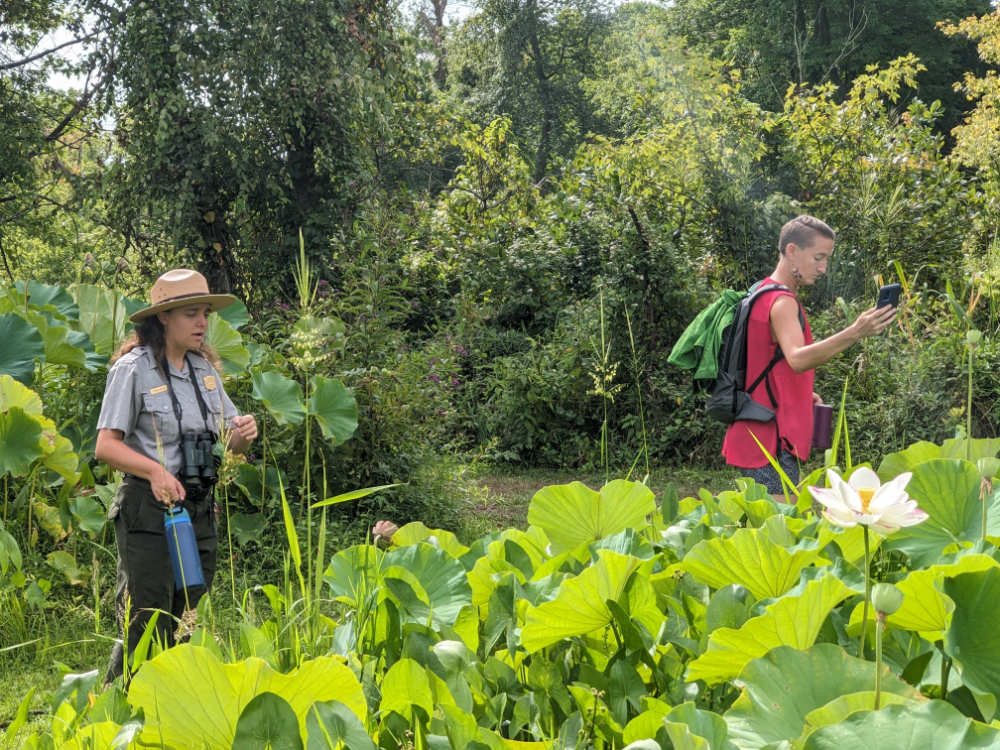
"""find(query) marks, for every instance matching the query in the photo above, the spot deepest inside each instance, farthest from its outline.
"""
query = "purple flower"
(434, 378)
(434, 361)
(455, 381)
(461, 350)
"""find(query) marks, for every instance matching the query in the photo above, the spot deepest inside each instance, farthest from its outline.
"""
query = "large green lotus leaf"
(204, 713)
(794, 620)
(103, 316)
(98, 734)
(405, 686)
(14, 393)
(282, 396)
(908, 459)
(22, 345)
(331, 722)
(948, 491)
(783, 687)
(415, 532)
(935, 725)
(20, 441)
(353, 573)
(840, 708)
(580, 605)
(748, 558)
(441, 577)
(54, 299)
(59, 455)
(228, 344)
(971, 638)
(707, 726)
(925, 608)
(971, 450)
(333, 405)
(58, 349)
(236, 314)
(573, 514)
(267, 723)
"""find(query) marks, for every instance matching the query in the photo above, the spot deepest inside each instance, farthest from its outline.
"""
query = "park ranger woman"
(164, 394)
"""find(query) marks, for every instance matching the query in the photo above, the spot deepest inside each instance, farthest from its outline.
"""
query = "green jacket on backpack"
(698, 347)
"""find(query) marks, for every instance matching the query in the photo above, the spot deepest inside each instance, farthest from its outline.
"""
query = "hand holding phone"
(888, 294)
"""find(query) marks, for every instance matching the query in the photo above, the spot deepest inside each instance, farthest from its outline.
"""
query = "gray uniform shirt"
(137, 402)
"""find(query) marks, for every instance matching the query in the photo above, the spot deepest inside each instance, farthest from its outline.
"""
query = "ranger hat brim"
(178, 288)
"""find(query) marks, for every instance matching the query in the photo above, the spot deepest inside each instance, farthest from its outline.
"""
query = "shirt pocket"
(159, 410)
(213, 402)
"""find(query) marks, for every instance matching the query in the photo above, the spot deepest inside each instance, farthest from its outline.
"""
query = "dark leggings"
(145, 576)
(767, 476)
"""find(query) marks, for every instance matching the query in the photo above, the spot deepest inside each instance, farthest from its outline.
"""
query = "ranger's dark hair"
(802, 230)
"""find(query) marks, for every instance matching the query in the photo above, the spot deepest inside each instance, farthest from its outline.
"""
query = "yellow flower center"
(866, 494)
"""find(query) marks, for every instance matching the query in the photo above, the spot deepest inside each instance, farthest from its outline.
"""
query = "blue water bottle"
(183, 548)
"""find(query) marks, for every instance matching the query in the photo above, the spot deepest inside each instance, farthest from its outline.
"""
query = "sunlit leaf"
(228, 344)
(971, 639)
(799, 682)
(334, 407)
(282, 396)
(935, 725)
(205, 712)
(580, 605)
(748, 558)
(22, 345)
(573, 514)
(794, 620)
(267, 723)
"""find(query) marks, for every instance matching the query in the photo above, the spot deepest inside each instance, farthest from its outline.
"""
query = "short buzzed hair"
(802, 230)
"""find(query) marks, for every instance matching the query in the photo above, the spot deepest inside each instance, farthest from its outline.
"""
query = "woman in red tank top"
(804, 248)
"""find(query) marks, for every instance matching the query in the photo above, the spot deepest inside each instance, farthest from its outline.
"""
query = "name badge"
(158, 389)
(210, 382)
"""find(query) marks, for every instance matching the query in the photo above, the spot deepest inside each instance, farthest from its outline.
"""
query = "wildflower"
(864, 500)
(436, 379)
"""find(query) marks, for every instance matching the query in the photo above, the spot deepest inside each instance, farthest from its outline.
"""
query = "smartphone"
(888, 295)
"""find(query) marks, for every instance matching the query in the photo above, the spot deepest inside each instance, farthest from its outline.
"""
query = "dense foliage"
(476, 236)
(722, 621)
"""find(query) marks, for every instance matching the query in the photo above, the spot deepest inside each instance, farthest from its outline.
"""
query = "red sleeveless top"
(793, 426)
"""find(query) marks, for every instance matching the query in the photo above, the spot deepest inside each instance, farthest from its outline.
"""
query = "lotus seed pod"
(886, 598)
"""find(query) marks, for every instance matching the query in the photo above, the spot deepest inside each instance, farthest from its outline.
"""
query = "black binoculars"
(199, 459)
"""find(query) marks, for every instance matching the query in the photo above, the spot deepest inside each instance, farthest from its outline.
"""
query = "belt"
(195, 493)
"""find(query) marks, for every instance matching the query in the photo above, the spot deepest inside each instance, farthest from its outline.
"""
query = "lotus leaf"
(280, 395)
(935, 725)
(22, 345)
(573, 514)
(334, 407)
(205, 713)
(406, 685)
(794, 620)
(331, 722)
(53, 299)
(228, 344)
(267, 723)
(20, 441)
(948, 491)
(751, 559)
(781, 689)
(415, 532)
(896, 463)
(840, 708)
(971, 639)
(235, 314)
(925, 608)
(440, 576)
(103, 316)
(580, 604)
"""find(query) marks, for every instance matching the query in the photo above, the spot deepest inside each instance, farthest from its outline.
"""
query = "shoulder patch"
(209, 381)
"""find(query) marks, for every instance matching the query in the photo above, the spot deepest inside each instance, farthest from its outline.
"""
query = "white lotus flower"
(864, 500)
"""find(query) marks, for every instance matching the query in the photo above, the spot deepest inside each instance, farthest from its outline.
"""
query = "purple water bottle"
(183, 548)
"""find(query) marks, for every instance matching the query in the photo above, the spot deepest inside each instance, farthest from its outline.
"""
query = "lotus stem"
(868, 594)
(879, 630)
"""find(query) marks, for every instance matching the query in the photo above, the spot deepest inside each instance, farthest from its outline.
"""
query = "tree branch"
(32, 58)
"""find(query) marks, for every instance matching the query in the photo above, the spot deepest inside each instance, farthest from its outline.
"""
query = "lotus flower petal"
(888, 508)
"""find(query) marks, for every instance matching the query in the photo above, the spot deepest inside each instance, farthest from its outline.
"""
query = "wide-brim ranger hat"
(178, 288)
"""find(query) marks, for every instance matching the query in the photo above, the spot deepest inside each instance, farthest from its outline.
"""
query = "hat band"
(181, 296)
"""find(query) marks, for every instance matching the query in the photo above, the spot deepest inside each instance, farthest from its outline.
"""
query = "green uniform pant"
(145, 580)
